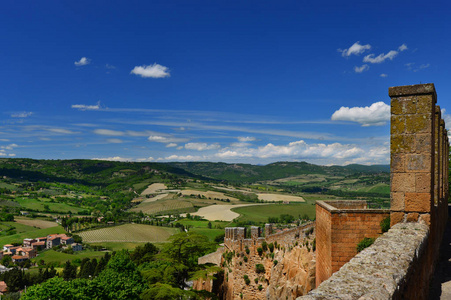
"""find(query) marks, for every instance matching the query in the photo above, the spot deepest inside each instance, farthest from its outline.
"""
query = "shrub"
(247, 250)
(259, 268)
(256, 280)
(271, 247)
(365, 243)
(314, 244)
(276, 262)
(246, 279)
(260, 287)
(260, 251)
(385, 224)
(264, 246)
(245, 258)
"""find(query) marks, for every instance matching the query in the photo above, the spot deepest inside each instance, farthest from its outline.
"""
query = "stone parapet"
(392, 268)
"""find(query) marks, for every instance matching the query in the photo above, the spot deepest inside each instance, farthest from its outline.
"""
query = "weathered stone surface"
(380, 271)
(402, 182)
(418, 202)
(407, 90)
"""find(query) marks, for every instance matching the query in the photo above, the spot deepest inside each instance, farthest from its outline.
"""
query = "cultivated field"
(145, 200)
(208, 194)
(219, 212)
(279, 197)
(128, 233)
(35, 222)
(261, 213)
(155, 207)
(154, 188)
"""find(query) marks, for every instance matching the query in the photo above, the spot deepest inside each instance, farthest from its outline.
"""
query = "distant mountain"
(277, 170)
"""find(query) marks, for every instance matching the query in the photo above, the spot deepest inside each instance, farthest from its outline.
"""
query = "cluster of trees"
(145, 273)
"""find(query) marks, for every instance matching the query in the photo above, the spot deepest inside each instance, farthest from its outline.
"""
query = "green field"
(38, 204)
(210, 233)
(19, 227)
(381, 188)
(260, 213)
(51, 256)
(128, 233)
(165, 206)
(18, 238)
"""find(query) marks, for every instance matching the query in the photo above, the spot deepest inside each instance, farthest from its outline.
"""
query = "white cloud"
(111, 67)
(380, 58)
(108, 132)
(246, 139)
(23, 114)
(355, 49)
(402, 47)
(165, 139)
(375, 115)
(383, 75)
(447, 118)
(61, 130)
(170, 145)
(114, 141)
(152, 71)
(86, 107)
(421, 67)
(201, 146)
(9, 147)
(294, 150)
(114, 158)
(361, 69)
(82, 62)
(181, 158)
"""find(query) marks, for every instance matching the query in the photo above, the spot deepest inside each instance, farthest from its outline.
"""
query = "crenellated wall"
(399, 265)
(289, 266)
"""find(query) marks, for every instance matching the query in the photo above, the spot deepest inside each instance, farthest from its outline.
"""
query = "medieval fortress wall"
(400, 263)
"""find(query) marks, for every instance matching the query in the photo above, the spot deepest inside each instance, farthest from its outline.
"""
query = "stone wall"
(341, 226)
(289, 267)
(389, 269)
(400, 263)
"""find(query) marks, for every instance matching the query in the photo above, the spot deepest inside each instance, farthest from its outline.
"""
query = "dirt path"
(220, 212)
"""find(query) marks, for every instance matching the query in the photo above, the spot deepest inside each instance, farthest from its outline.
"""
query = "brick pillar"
(268, 229)
(412, 152)
(437, 155)
(255, 232)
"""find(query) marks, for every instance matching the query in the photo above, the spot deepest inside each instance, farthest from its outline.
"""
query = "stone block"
(397, 201)
(423, 183)
(401, 143)
(423, 143)
(426, 218)
(398, 124)
(425, 104)
(417, 202)
(396, 217)
(419, 123)
(402, 182)
(412, 217)
(419, 162)
(409, 90)
(398, 163)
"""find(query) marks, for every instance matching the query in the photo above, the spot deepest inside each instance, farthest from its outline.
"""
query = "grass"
(51, 256)
(202, 224)
(261, 213)
(115, 246)
(38, 204)
(19, 227)
(35, 222)
(18, 238)
(210, 233)
(165, 206)
(128, 233)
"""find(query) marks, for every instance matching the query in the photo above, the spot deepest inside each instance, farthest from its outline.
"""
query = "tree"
(161, 291)
(69, 271)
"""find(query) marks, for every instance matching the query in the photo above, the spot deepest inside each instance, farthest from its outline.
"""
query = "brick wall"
(341, 225)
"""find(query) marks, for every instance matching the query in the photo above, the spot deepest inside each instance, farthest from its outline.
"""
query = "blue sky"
(232, 81)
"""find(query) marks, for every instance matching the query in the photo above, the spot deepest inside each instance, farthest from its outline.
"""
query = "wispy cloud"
(383, 75)
(82, 62)
(372, 58)
(361, 69)
(24, 114)
(151, 71)
(246, 139)
(110, 67)
(375, 115)
(61, 130)
(115, 141)
(108, 132)
(86, 107)
(166, 139)
(113, 158)
(355, 49)
(201, 146)
(171, 145)
(9, 147)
